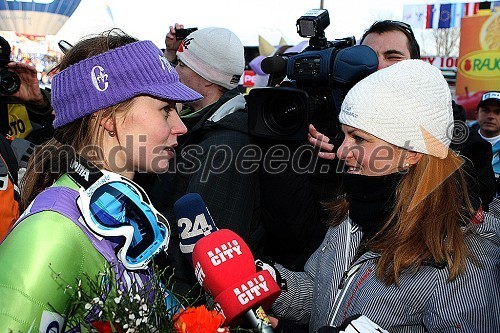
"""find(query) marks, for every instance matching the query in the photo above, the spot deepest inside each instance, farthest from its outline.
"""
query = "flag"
(432, 17)
(444, 16)
(485, 5)
(414, 15)
(470, 8)
(108, 10)
(456, 15)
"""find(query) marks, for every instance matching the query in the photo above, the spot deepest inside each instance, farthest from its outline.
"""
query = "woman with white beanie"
(406, 252)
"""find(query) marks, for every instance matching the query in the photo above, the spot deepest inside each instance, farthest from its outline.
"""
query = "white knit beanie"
(216, 54)
(407, 104)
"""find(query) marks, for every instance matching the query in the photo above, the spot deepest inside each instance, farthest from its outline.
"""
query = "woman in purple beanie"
(114, 101)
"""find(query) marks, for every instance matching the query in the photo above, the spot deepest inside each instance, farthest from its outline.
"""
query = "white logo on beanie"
(348, 111)
(165, 64)
(99, 78)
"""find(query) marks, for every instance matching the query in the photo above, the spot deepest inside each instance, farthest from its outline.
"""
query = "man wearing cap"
(211, 61)
(488, 127)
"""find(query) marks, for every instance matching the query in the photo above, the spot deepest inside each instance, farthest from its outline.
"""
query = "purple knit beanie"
(115, 76)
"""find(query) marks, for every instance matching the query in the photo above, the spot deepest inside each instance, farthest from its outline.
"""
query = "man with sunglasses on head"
(392, 41)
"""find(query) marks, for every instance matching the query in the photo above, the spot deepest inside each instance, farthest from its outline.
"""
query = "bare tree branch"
(447, 41)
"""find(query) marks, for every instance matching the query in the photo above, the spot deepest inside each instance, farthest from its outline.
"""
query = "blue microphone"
(193, 221)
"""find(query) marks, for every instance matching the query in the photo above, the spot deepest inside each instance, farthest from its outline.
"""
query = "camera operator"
(210, 61)
(20, 99)
(25, 108)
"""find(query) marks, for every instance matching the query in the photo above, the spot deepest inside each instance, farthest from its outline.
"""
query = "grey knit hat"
(216, 54)
(407, 104)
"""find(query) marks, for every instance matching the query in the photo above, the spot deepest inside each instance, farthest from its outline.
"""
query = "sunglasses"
(114, 206)
(405, 26)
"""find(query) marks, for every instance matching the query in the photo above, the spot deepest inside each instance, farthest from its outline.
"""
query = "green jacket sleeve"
(42, 256)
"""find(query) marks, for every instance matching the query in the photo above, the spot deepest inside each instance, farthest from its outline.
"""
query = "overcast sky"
(150, 19)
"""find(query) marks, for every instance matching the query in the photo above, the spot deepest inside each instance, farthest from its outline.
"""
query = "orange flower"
(198, 320)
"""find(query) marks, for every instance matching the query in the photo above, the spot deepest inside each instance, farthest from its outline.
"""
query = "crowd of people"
(42, 62)
(408, 240)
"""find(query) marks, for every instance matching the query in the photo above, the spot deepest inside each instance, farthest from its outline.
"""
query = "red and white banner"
(443, 63)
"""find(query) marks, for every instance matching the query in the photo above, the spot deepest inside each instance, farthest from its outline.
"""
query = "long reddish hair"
(431, 207)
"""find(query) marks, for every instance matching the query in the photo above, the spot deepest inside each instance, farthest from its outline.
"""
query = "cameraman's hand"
(29, 90)
(320, 140)
(171, 43)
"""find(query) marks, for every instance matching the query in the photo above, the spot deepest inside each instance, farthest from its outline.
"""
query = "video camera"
(9, 81)
(318, 80)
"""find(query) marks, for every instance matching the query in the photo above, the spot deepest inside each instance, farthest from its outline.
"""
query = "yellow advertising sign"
(478, 68)
(480, 65)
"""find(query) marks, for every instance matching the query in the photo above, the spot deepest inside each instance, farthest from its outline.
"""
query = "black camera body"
(9, 81)
(320, 77)
(181, 34)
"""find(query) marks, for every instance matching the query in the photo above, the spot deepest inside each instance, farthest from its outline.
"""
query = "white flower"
(131, 316)
(118, 299)
(67, 287)
(88, 306)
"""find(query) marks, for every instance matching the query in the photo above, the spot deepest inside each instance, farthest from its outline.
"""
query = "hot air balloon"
(35, 17)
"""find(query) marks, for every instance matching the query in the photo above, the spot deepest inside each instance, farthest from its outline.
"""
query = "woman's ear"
(412, 157)
(107, 123)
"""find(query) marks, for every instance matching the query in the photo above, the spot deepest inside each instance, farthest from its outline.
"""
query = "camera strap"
(4, 119)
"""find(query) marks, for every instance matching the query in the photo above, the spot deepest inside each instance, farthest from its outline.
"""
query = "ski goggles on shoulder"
(114, 206)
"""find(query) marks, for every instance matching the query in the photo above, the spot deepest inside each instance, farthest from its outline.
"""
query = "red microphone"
(257, 290)
(220, 259)
(231, 277)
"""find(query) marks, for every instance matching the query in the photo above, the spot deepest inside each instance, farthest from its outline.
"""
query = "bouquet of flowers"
(108, 307)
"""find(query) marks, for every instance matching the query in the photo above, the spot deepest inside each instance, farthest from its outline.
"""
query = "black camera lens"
(9, 82)
(285, 115)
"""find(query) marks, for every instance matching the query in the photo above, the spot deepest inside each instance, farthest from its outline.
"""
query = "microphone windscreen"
(274, 64)
(220, 260)
(258, 289)
(193, 221)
